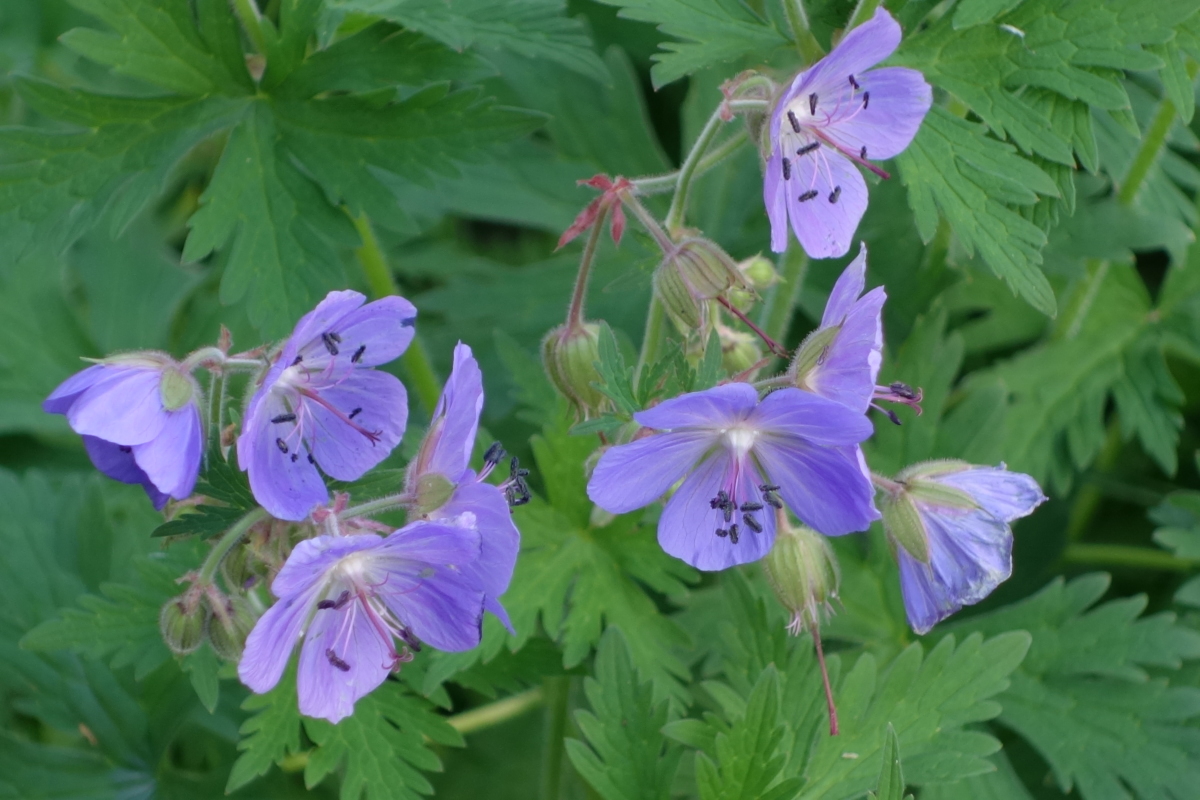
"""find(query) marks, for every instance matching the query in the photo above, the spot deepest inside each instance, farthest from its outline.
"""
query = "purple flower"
(351, 597)
(447, 490)
(951, 523)
(840, 359)
(836, 114)
(737, 457)
(321, 404)
(140, 422)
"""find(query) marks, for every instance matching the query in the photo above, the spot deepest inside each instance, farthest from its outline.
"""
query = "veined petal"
(687, 528)
(171, 460)
(287, 488)
(325, 689)
(860, 49)
(321, 319)
(384, 327)
(270, 643)
(1003, 494)
(125, 408)
(65, 394)
(846, 291)
(630, 476)
(824, 486)
(850, 368)
(371, 400)
(900, 99)
(775, 191)
(312, 560)
(499, 539)
(713, 408)
(118, 463)
(456, 417)
(836, 199)
(794, 413)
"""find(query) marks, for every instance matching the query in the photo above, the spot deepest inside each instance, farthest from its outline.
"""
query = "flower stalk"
(227, 542)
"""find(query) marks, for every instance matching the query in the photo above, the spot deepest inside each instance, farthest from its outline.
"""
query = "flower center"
(740, 441)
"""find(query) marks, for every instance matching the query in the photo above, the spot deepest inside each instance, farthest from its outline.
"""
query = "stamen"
(284, 418)
(372, 436)
(358, 354)
(355, 413)
(812, 103)
(904, 390)
(125, 448)
(721, 532)
(809, 195)
(733, 534)
(791, 115)
(752, 507)
(337, 662)
(282, 445)
(767, 487)
(495, 454)
(787, 169)
(297, 360)
(330, 341)
(410, 640)
(295, 457)
(311, 460)
(772, 500)
(835, 194)
(863, 153)
(854, 83)
(342, 599)
(752, 523)
(866, 100)
(808, 148)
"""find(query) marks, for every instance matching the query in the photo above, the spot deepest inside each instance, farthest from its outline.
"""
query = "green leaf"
(976, 12)
(953, 168)
(269, 735)
(616, 379)
(891, 777)
(531, 28)
(628, 758)
(201, 667)
(712, 31)
(222, 482)
(1003, 784)
(1083, 698)
(1148, 402)
(383, 746)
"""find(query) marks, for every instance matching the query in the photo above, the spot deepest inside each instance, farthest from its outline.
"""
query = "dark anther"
(866, 100)
(358, 354)
(809, 195)
(904, 390)
(722, 532)
(854, 83)
(808, 148)
(495, 454)
(325, 604)
(284, 418)
(342, 599)
(311, 460)
(787, 170)
(795, 122)
(727, 512)
(514, 469)
(282, 445)
(410, 640)
(297, 360)
(768, 487)
(772, 500)
(863, 153)
(408, 323)
(517, 493)
(835, 194)
(752, 507)
(812, 103)
(751, 523)
(355, 413)
(295, 457)
(337, 662)
(733, 533)
(891, 415)
(720, 500)
(330, 340)
(125, 448)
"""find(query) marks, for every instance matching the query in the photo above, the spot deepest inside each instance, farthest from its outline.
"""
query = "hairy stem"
(247, 13)
(652, 340)
(657, 184)
(1121, 555)
(493, 714)
(226, 543)
(688, 170)
(579, 295)
(1152, 144)
(377, 506)
(797, 18)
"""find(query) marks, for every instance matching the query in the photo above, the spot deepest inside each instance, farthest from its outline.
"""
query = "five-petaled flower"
(444, 488)
(321, 404)
(351, 598)
(951, 523)
(740, 458)
(140, 421)
(836, 114)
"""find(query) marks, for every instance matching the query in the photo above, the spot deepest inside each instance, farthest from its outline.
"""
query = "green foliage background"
(162, 173)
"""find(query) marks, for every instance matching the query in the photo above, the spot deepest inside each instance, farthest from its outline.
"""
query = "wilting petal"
(62, 397)
(270, 643)
(775, 191)
(860, 49)
(846, 290)
(499, 539)
(326, 690)
(287, 488)
(172, 459)
(1003, 494)
(384, 328)
(711, 409)
(687, 529)
(118, 463)
(457, 417)
(824, 228)
(848, 372)
(822, 485)
(791, 412)
(338, 443)
(630, 476)
(126, 408)
(900, 99)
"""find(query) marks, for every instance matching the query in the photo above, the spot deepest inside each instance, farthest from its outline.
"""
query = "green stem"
(776, 314)
(797, 18)
(492, 714)
(688, 170)
(862, 12)
(377, 506)
(208, 569)
(380, 281)
(1152, 144)
(1087, 500)
(652, 340)
(558, 696)
(579, 295)
(247, 14)
(1121, 555)
(658, 184)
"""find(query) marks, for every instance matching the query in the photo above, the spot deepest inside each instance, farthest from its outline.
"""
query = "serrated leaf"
(269, 735)
(1003, 784)
(975, 12)
(625, 756)
(201, 667)
(891, 777)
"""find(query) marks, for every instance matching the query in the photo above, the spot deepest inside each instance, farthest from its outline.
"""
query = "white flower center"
(740, 440)
(354, 569)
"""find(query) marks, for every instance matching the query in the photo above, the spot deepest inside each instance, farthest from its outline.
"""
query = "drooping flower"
(737, 457)
(140, 421)
(951, 524)
(840, 359)
(447, 490)
(351, 598)
(834, 115)
(321, 404)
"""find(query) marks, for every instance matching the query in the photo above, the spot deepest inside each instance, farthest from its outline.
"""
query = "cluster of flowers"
(362, 601)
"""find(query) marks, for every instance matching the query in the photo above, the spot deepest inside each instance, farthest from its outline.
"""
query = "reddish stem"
(833, 720)
(771, 344)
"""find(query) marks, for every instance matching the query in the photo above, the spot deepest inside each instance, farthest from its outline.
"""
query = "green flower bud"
(810, 354)
(182, 622)
(803, 571)
(696, 271)
(433, 490)
(759, 272)
(569, 356)
(229, 626)
(901, 519)
(739, 351)
(176, 389)
(241, 568)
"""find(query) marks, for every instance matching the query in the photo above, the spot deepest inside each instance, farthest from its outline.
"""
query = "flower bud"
(739, 350)
(803, 571)
(182, 622)
(229, 626)
(697, 270)
(569, 355)
(917, 484)
(241, 568)
(433, 490)
(760, 275)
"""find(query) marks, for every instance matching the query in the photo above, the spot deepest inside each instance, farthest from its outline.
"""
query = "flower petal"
(775, 190)
(687, 528)
(858, 51)
(327, 691)
(456, 418)
(850, 368)
(270, 643)
(306, 336)
(846, 291)
(499, 539)
(378, 403)
(900, 99)
(65, 394)
(287, 488)
(825, 223)
(312, 560)
(118, 463)
(125, 408)
(711, 409)
(384, 327)
(1003, 494)
(630, 476)
(172, 459)
(824, 486)
(792, 413)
